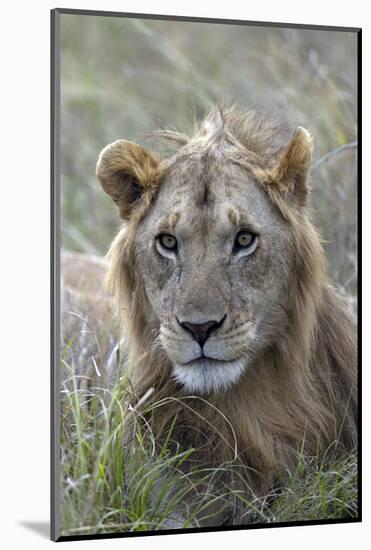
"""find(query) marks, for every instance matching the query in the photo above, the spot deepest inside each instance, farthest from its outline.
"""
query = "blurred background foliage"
(127, 77)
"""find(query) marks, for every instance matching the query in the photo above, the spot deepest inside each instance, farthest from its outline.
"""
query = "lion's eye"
(245, 240)
(168, 242)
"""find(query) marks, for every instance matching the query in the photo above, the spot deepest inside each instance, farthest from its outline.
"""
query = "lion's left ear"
(290, 173)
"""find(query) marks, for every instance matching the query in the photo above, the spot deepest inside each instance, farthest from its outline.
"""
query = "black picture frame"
(55, 266)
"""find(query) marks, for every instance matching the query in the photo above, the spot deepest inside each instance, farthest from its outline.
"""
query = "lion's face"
(214, 256)
(211, 248)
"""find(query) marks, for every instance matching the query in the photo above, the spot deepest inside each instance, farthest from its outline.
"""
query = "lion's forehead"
(221, 201)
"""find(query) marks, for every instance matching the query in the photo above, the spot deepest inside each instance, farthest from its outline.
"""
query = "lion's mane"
(301, 394)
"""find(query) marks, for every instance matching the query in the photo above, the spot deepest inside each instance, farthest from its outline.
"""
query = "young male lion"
(219, 279)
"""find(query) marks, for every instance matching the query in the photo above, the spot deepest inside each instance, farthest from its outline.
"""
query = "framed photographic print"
(205, 223)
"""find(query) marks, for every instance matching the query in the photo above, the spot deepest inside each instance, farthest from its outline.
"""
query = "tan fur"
(301, 393)
(289, 173)
(121, 161)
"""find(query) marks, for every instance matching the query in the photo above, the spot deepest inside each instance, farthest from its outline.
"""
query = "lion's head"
(209, 243)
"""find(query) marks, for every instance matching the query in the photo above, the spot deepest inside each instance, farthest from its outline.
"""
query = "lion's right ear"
(126, 170)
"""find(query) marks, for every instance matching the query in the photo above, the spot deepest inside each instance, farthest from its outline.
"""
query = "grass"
(115, 483)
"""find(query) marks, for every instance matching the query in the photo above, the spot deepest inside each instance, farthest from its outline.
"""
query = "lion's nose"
(202, 331)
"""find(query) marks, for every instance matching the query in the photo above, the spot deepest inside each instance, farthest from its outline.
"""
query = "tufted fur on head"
(298, 390)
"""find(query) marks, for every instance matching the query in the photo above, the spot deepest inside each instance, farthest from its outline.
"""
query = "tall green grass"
(117, 478)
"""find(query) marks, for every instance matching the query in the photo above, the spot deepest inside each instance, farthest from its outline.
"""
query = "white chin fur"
(208, 376)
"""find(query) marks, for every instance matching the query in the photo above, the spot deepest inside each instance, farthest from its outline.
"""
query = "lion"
(219, 279)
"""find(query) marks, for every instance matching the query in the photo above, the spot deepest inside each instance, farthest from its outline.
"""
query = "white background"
(24, 300)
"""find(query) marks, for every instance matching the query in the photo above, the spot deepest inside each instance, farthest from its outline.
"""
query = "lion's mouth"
(202, 359)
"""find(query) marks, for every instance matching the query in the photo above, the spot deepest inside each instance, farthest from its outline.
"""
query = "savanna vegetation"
(125, 78)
